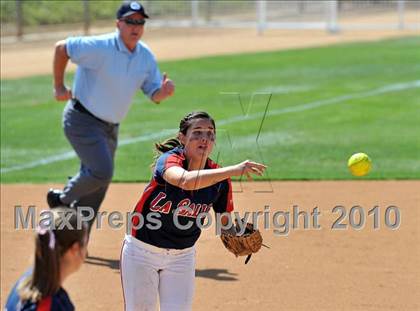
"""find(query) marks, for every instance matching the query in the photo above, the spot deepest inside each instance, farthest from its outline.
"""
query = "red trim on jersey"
(229, 206)
(174, 159)
(139, 206)
(212, 164)
(121, 272)
(45, 304)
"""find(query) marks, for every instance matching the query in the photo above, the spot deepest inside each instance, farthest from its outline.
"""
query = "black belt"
(77, 105)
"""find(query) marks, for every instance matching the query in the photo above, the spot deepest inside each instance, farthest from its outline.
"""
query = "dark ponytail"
(167, 145)
(51, 243)
(184, 125)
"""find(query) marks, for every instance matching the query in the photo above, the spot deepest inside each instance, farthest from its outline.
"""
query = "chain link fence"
(21, 17)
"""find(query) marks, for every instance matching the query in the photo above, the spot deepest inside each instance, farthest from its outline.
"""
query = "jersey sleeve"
(224, 202)
(164, 162)
(84, 51)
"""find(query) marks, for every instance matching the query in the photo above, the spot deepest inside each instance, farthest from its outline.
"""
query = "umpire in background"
(111, 68)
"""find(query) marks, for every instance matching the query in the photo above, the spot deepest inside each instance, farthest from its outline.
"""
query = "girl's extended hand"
(248, 168)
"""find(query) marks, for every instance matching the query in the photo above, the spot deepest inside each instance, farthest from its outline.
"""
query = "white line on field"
(324, 102)
(71, 154)
(319, 103)
(284, 89)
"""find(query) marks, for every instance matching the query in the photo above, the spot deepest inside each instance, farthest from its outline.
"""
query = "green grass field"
(326, 104)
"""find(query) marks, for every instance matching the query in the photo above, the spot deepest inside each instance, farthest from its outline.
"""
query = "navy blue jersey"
(163, 199)
(60, 301)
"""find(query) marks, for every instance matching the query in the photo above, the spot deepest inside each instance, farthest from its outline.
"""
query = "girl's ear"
(182, 138)
(75, 248)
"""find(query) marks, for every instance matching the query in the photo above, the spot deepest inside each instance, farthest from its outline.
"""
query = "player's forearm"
(198, 179)
(59, 64)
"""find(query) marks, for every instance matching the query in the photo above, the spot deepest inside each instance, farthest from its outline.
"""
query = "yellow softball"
(359, 164)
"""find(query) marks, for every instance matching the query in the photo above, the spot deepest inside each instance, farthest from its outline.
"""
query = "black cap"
(131, 7)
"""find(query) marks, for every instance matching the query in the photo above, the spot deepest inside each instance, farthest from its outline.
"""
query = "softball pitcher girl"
(161, 262)
(59, 252)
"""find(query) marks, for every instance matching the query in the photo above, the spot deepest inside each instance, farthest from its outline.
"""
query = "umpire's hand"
(61, 93)
(167, 89)
(168, 86)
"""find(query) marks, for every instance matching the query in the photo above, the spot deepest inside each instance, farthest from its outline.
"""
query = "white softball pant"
(149, 272)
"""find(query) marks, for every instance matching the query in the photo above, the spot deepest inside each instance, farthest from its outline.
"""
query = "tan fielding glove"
(244, 245)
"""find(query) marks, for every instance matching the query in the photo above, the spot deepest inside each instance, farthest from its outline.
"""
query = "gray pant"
(95, 143)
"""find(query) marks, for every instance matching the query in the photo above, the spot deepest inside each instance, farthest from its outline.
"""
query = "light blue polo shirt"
(108, 74)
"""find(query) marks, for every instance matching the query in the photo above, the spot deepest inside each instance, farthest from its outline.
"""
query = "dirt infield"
(31, 58)
(309, 269)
